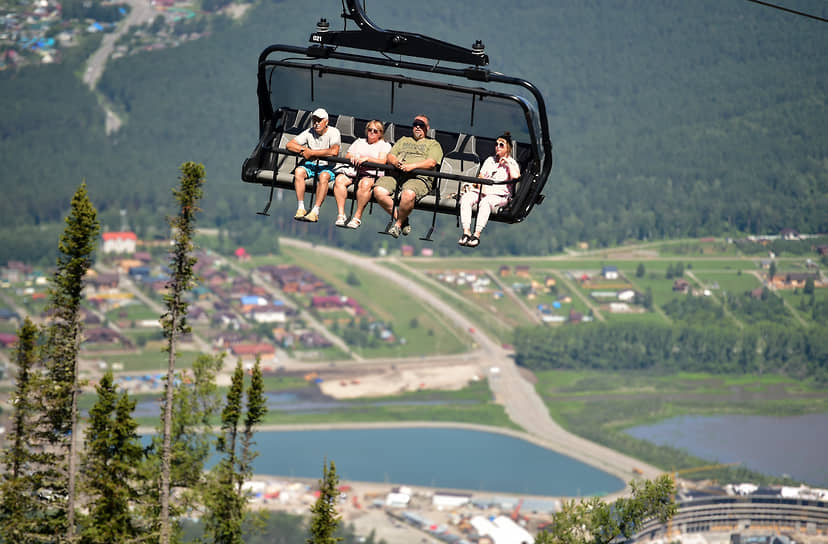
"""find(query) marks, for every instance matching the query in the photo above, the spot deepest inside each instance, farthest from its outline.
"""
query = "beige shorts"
(420, 185)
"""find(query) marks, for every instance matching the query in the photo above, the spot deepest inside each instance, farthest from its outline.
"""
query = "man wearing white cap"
(313, 145)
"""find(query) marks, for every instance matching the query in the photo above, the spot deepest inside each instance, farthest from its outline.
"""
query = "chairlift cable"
(788, 10)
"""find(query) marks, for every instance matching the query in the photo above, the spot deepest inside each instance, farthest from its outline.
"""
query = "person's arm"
(298, 145)
(513, 167)
(354, 153)
(486, 169)
(391, 157)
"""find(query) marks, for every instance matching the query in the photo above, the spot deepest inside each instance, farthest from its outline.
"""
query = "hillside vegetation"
(680, 119)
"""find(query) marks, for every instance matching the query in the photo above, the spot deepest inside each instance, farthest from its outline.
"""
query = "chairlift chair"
(467, 104)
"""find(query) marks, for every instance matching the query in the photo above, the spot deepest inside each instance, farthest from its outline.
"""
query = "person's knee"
(408, 195)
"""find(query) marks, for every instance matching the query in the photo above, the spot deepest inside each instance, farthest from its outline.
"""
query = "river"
(796, 446)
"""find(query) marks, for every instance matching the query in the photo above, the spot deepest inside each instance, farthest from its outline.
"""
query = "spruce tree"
(255, 412)
(18, 488)
(174, 321)
(226, 501)
(195, 401)
(58, 428)
(324, 516)
(109, 470)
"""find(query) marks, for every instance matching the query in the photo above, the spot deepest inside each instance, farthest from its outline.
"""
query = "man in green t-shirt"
(409, 153)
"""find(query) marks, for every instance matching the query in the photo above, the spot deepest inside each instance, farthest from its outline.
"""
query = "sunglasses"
(317, 120)
(500, 144)
(374, 130)
(418, 124)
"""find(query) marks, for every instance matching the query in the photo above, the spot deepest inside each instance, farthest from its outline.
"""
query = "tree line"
(723, 349)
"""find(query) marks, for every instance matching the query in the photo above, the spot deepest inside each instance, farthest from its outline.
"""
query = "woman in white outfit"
(372, 148)
(498, 167)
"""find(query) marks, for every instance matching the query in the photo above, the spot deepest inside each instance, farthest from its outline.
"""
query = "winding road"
(519, 397)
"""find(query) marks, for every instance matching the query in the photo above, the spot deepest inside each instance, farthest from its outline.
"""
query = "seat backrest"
(463, 159)
(286, 164)
(388, 133)
(345, 125)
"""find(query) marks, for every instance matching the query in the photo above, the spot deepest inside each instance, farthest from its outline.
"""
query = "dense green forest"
(670, 120)
(760, 349)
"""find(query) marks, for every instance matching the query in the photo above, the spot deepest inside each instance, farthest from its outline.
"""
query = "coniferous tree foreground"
(174, 322)
(324, 517)
(110, 468)
(19, 485)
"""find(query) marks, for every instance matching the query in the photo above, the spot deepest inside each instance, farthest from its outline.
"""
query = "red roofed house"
(119, 242)
(328, 303)
(7, 340)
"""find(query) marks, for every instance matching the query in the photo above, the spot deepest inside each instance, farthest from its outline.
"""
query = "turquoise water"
(432, 457)
(794, 446)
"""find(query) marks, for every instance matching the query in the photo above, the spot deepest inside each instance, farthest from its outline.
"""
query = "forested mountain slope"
(668, 119)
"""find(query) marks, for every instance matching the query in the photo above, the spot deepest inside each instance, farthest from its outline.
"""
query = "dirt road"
(522, 403)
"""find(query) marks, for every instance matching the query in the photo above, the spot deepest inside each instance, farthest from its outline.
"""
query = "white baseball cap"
(320, 113)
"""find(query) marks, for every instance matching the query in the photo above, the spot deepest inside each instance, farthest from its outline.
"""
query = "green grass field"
(424, 332)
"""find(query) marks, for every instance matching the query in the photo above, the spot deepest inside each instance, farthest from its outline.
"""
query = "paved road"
(522, 403)
(141, 11)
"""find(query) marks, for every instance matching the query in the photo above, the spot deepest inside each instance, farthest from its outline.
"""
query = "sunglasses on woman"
(374, 130)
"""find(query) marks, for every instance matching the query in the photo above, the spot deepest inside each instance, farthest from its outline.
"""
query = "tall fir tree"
(226, 501)
(18, 488)
(174, 321)
(57, 430)
(324, 517)
(109, 471)
(255, 413)
(195, 402)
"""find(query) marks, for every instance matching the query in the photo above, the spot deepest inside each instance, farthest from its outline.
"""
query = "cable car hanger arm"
(373, 38)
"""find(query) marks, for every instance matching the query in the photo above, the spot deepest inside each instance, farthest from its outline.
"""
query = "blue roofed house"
(610, 272)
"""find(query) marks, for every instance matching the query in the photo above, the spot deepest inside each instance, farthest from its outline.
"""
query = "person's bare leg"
(299, 178)
(363, 195)
(407, 200)
(322, 188)
(341, 184)
(384, 199)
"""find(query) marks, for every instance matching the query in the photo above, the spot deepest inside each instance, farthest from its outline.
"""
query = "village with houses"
(39, 31)
(273, 311)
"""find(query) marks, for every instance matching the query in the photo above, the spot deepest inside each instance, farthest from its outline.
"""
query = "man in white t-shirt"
(372, 148)
(313, 145)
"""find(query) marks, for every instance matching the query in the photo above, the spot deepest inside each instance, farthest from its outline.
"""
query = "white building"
(502, 530)
(119, 242)
(447, 500)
